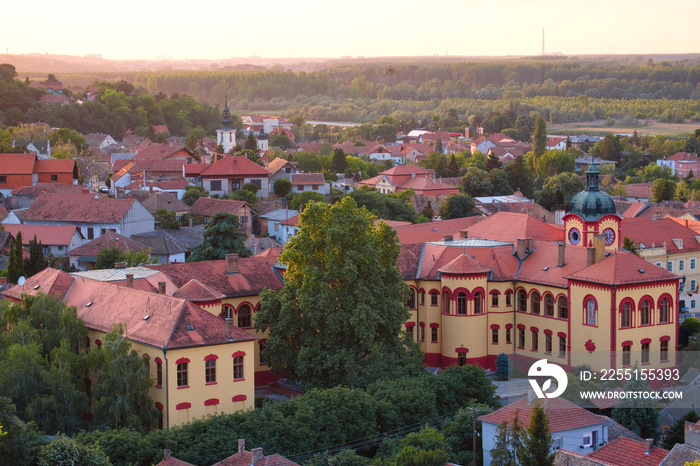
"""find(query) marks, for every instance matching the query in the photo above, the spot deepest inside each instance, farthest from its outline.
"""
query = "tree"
(251, 143)
(503, 366)
(192, 193)
(135, 258)
(15, 263)
(282, 187)
(342, 304)
(476, 183)
(553, 162)
(500, 183)
(120, 394)
(493, 162)
(282, 141)
(558, 191)
(339, 162)
(687, 328)
(63, 451)
(539, 142)
(7, 72)
(638, 415)
(166, 220)
(502, 453)
(520, 177)
(537, 445)
(107, 257)
(388, 207)
(221, 237)
(609, 148)
(676, 434)
(300, 200)
(457, 206)
(662, 190)
(628, 244)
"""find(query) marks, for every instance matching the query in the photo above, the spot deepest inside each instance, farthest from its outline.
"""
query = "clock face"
(574, 236)
(609, 234)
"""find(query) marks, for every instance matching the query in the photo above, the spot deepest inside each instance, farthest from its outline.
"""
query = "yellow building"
(199, 365)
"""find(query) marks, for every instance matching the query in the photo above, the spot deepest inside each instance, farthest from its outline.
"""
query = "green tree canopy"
(282, 187)
(343, 300)
(558, 191)
(221, 237)
(300, 200)
(192, 193)
(107, 257)
(457, 206)
(476, 183)
(387, 207)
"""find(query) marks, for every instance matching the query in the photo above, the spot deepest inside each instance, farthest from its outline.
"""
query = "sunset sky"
(214, 29)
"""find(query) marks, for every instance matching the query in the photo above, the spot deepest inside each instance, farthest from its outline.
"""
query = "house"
(281, 130)
(681, 164)
(99, 140)
(288, 229)
(54, 99)
(187, 348)
(688, 452)
(555, 143)
(92, 215)
(389, 180)
(582, 163)
(16, 170)
(483, 143)
(573, 428)
(270, 222)
(56, 171)
(264, 123)
(310, 182)
(41, 147)
(281, 168)
(638, 192)
(156, 200)
(84, 256)
(624, 451)
(381, 153)
(232, 173)
(208, 207)
(242, 458)
(169, 244)
(56, 240)
(175, 186)
(24, 196)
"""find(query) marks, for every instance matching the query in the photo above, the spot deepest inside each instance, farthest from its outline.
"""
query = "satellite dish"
(21, 281)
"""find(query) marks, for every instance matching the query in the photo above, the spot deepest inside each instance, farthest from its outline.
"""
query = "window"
(508, 336)
(508, 297)
(159, 374)
(244, 316)
(477, 302)
(235, 185)
(412, 300)
(461, 304)
(238, 368)
(434, 334)
(422, 298)
(314, 187)
(535, 302)
(256, 183)
(461, 359)
(494, 336)
(182, 375)
(548, 343)
(692, 304)
(434, 298)
(669, 266)
(590, 312)
(446, 302)
(692, 264)
(535, 340)
(563, 308)
(210, 371)
(409, 330)
(422, 333)
(681, 265)
(521, 338)
(242, 222)
(562, 346)
(663, 350)
(215, 185)
(227, 312)
(522, 300)
(3, 179)
(288, 170)
(663, 310)
(692, 286)
(54, 177)
(645, 353)
(494, 299)
(261, 349)
(549, 305)
(626, 318)
(90, 233)
(45, 250)
(645, 313)
(626, 355)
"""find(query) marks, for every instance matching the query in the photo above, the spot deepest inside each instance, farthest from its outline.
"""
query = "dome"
(592, 203)
(226, 121)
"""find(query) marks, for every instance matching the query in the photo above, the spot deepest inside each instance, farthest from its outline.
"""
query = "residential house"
(681, 164)
(582, 163)
(232, 173)
(40, 147)
(99, 140)
(270, 222)
(84, 256)
(572, 427)
(483, 143)
(169, 244)
(56, 171)
(155, 200)
(584, 142)
(381, 153)
(638, 192)
(264, 123)
(388, 181)
(201, 365)
(92, 215)
(56, 240)
(310, 182)
(242, 458)
(208, 207)
(281, 168)
(288, 228)
(24, 196)
(17, 170)
(555, 143)
(281, 130)
(688, 452)
(175, 186)
(51, 99)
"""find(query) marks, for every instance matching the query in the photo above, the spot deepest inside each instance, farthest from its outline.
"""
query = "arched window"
(461, 304)
(245, 316)
(226, 312)
(590, 312)
(563, 307)
(522, 300)
(478, 302)
(663, 310)
(446, 302)
(412, 300)
(433, 298)
(549, 305)
(626, 318)
(645, 313)
(535, 302)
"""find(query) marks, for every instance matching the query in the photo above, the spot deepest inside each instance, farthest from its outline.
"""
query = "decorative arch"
(245, 316)
(562, 306)
(590, 310)
(665, 308)
(227, 311)
(521, 300)
(535, 302)
(627, 311)
(646, 311)
(548, 299)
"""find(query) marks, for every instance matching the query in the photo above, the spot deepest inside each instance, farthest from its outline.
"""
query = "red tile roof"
(307, 178)
(192, 169)
(49, 235)
(642, 190)
(197, 291)
(277, 164)
(293, 221)
(562, 414)
(245, 458)
(160, 151)
(684, 156)
(108, 240)
(463, 265)
(54, 166)
(624, 451)
(52, 282)
(17, 164)
(622, 268)
(77, 208)
(208, 207)
(40, 188)
(634, 209)
(660, 231)
(509, 226)
(235, 166)
(434, 231)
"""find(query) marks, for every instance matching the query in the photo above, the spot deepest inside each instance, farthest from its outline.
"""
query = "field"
(644, 127)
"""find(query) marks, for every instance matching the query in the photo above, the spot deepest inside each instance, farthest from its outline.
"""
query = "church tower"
(592, 212)
(226, 135)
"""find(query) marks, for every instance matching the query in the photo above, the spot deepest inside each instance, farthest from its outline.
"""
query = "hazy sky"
(216, 29)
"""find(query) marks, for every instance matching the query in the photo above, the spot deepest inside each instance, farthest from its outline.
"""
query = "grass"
(643, 127)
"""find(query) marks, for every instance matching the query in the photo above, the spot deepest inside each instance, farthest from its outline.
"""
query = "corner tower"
(226, 135)
(592, 212)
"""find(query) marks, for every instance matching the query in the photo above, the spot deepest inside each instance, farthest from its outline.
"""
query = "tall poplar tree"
(540, 138)
(15, 265)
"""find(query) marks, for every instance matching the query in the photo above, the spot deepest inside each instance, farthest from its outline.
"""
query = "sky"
(214, 29)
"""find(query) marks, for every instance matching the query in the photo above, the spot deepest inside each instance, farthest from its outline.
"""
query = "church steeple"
(226, 135)
(592, 177)
(226, 121)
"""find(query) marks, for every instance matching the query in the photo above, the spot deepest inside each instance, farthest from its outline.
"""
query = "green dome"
(592, 203)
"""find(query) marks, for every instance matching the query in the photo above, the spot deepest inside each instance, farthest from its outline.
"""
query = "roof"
(622, 268)
(162, 245)
(54, 166)
(307, 178)
(641, 190)
(464, 265)
(684, 156)
(592, 203)
(172, 461)
(434, 231)
(293, 221)
(562, 414)
(109, 239)
(54, 99)
(154, 200)
(49, 235)
(152, 319)
(236, 166)
(680, 455)
(197, 291)
(245, 458)
(176, 183)
(645, 232)
(279, 214)
(159, 151)
(570, 458)
(84, 208)
(187, 237)
(277, 164)
(40, 188)
(519, 225)
(624, 451)
(17, 164)
(208, 207)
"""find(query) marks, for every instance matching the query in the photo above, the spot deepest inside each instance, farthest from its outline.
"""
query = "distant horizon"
(216, 30)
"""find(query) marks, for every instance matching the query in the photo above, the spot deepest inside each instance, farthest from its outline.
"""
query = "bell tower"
(226, 135)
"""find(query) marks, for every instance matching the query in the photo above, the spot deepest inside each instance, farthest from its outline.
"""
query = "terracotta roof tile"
(663, 230)
(208, 207)
(17, 164)
(40, 188)
(108, 240)
(54, 166)
(624, 451)
(518, 226)
(245, 458)
(307, 178)
(197, 291)
(77, 208)
(622, 268)
(464, 265)
(235, 166)
(49, 235)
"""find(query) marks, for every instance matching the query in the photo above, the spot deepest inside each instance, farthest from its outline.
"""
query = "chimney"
(227, 334)
(130, 280)
(120, 265)
(650, 446)
(447, 238)
(463, 234)
(231, 263)
(521, 246)
(161, 287)
(191, 221)
(241, 445)
(562, 255)
(599, 246)
(256, 455)
(590, 258)
(530, 397)
(166, 453)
